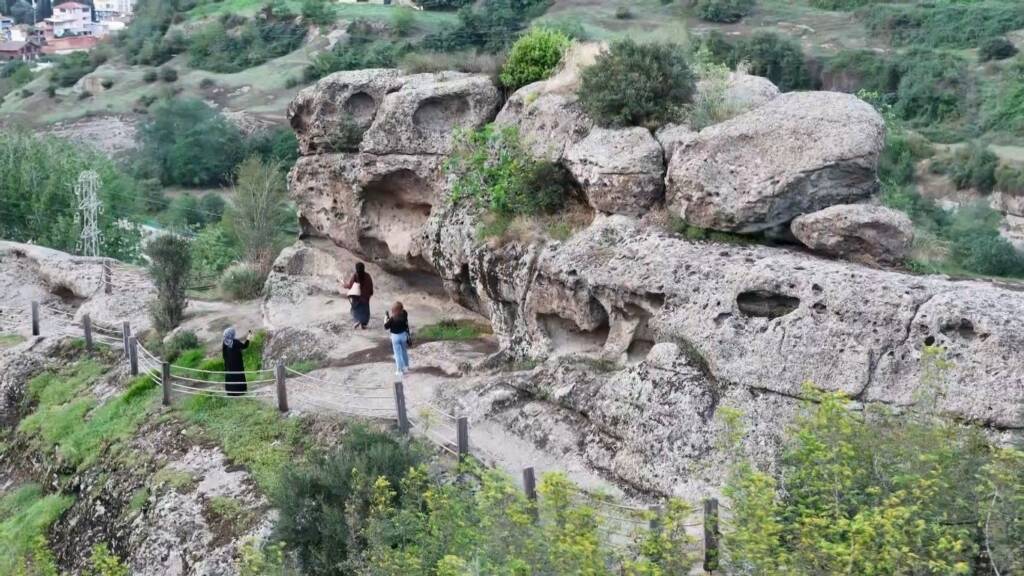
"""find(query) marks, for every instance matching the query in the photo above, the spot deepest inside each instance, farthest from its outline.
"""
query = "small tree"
(259, 211)
(997, 48)
(534, 57)
(170, 262)
(637, 84)
(724, 10)
(775, 57)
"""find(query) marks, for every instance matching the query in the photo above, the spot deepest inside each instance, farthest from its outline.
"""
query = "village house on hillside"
(11, 50)
(70, 19)
(114, 9)
(6, 28)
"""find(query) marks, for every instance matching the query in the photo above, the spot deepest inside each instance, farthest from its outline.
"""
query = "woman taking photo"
(398, 324)
(234, 365)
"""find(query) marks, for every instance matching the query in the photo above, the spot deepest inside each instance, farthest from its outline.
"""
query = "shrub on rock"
(534, 57)
(778, 59)
(727, 11)
(242, 282)
(997, 48)
(492, 167)
(635, 84)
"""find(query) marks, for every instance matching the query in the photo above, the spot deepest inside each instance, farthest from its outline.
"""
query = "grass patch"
(196, 358)
(180, 481)
(10, 340)
(452, 330)
(25, 515)
(71, 426)
(305, 366)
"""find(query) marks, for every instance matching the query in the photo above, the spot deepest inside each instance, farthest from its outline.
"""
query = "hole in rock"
(929, 341)
(638, 350)
(395, 209)
(361, 107)
(568, 338)
(765, 304)
(964, 329)
(440, 114)
(67, 296)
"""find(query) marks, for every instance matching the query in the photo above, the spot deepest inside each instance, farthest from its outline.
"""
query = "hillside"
(516, 287)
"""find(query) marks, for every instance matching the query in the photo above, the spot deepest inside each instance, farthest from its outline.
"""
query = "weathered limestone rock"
(859, 232)
(373, 205)
(674, 136)
(549, 123)
(745, 91)
(620, 170)
(420, 117)
(318, 112)
(800, 152)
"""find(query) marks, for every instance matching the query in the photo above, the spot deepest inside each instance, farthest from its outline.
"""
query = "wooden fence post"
(282, 391)
(530, 489)
(35, 318)
(711, 535)
(462, 436)
(126, 333)
(107, 285)
(166, 380)
(403, 417)
(133, 355)
(87, 327)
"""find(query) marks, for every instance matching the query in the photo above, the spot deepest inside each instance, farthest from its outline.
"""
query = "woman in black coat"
(234, 365)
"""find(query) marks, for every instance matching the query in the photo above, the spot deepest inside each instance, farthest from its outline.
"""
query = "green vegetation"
(932, 87)
(25, 515)
(492, 168)
(259, 212)
(233, 44)
(1010, 179)
(10, 340)
(214, 248)
(775, 57)
(451, 330)
(71, 68)
(242, 281)
(102, 562)
(635, 84)
(37, 194)
(147, 40)
(179, 342)
(186, 142)
(974, 166)
(490, 25)
(840, 4)
(69, 424)
(996, 48)
(872, 492)
(724, 10)
(533, 57)
(170, 262)
(365, 48)
(943, 24)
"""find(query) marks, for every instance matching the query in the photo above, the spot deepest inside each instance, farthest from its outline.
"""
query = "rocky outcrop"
(620, 170)
(549, 123)
(799, 153)
(372, 194)
(674, 136)
(744, 91)
(858, 232)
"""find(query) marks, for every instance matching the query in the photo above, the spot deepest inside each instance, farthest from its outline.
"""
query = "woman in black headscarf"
(234, 365)
(360, 289)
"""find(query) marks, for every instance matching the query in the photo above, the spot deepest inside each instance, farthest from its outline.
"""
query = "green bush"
(274, 145)
(623, 13)
(840, 4)
(778, 59)
(932, 87)
(213, 250)
(168, 74)
(997, 48)
(170, 262)
(855, 70)
(1003, 105)
(403, 22)
(233, 46)
(185, 142)
(1010, 180)
(943, 24)
(727, 11)
(71, 68)
(178, 343)
(354, 56)
(323, 506)
(147, 40)
(242, 282)
(637, 85)
(320, 12)
(977, 245)
(533, 57)
(185, 212)
(212, 207)
(444, 4)
(974, 166)
(490, 25)
(451, 330)
(26, 514)
(492, 168)
(902, 151)
(151, 75)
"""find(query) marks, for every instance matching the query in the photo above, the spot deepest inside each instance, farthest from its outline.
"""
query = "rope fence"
(447, 431)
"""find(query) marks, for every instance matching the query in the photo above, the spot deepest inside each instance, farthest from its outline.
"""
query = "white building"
(71, 19)
(107, 9)
(6, 28)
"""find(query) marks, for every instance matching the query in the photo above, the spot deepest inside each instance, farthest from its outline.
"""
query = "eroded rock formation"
(859, 232)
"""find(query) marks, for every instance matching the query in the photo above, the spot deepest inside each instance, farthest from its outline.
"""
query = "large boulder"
(859, 232)
(376, 206)
(620, 170)
(743, 91)
(421, 116)
(318, 113)
(674, 136)
(799, 153)
(549, 123)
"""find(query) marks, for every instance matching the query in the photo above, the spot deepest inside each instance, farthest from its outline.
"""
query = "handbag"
(355, 290)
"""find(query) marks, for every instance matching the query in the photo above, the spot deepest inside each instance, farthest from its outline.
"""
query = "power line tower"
(89, 209)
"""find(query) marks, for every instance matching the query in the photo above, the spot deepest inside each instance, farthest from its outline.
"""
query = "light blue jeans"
(400, 343)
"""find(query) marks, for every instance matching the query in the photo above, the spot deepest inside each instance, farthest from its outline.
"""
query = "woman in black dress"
(234, 366)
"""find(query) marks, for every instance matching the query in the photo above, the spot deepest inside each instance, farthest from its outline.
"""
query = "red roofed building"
(70, 44)
(18, 51)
